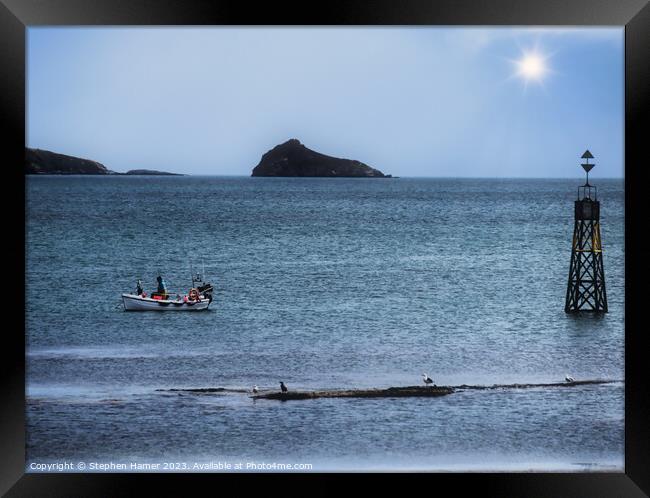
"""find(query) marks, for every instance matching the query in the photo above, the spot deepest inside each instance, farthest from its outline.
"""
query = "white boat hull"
(139, 303)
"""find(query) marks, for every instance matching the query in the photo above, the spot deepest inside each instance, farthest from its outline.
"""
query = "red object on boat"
(157, 297)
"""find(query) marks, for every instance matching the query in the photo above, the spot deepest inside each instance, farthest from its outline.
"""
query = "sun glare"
(532, 66)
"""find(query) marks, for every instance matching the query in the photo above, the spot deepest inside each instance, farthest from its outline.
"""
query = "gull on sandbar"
(569, 379)
(283, 387)
(255, 389)
(427, 380)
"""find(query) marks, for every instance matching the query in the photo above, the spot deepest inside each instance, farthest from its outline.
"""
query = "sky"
(409, 101)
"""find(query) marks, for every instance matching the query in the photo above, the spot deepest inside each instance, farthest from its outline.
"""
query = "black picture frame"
(17, 15)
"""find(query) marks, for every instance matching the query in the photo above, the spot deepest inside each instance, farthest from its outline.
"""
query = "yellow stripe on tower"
(597, 247)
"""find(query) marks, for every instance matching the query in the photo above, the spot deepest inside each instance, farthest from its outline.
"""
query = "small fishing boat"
(198, 298)
(133, 302)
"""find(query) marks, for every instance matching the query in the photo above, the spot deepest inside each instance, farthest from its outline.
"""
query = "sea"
(322, 283)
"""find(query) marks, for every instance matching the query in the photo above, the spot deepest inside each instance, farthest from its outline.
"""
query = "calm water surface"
(320, 283)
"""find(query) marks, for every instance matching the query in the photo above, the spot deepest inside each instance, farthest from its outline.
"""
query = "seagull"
(255, 389)
(283, 387)
(427, 379)
(569, 379)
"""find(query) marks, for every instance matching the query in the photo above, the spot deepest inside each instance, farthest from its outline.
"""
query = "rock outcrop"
(391, 392)
(294, 159)
(44, 162)
(151, 172)
(39, 161)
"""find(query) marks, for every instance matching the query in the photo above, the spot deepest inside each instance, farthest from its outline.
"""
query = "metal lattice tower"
(586, 286)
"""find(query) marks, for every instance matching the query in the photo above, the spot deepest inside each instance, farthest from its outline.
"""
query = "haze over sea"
(320, 283)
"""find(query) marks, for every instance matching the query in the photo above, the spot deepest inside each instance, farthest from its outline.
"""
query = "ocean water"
(320, 283)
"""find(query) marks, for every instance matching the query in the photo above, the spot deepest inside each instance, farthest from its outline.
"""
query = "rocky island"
(294, 159)
(152, 172)
(44, 162)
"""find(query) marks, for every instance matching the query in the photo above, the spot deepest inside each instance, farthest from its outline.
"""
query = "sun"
(532, 66)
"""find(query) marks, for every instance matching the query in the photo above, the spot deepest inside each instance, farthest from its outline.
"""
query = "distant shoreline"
(45, 162)
(264, 178)
(40, 162)
(111, 174)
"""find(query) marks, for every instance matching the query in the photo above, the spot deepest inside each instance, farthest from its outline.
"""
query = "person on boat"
(162, 288)
(138, 289)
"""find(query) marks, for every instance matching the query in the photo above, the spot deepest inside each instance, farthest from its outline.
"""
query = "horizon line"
(123, 174)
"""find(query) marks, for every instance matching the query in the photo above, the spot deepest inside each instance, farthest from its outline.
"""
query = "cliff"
(294, 159)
